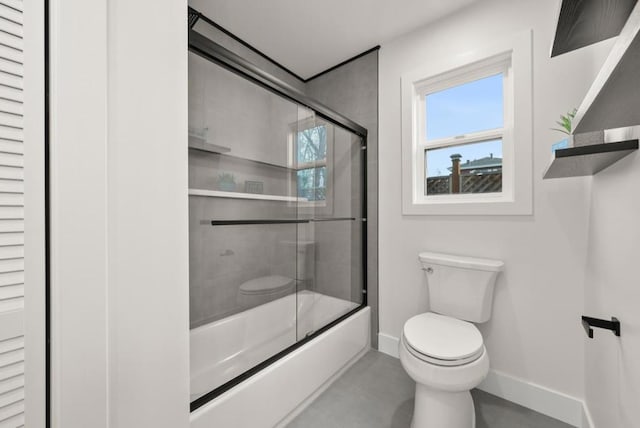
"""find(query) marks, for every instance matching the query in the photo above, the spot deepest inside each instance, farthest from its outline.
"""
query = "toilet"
(442, 350)
(258, 291)
(264, 289)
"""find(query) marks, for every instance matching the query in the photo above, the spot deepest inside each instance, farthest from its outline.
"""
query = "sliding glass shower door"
(329, 189)
(276, 197)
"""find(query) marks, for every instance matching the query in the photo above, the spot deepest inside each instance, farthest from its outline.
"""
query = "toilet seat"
(266, 285)
(442, 340)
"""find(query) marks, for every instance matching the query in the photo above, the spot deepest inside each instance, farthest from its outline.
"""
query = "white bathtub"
(224, 349)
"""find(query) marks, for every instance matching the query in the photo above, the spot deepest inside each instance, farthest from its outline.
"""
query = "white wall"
(535, 333)
(120, 330)
(612, 372)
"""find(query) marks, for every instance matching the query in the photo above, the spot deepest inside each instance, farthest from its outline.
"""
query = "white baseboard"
(388, 345)
(549, 402)
(552, 403)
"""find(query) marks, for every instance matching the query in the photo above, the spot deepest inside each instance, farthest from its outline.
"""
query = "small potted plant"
(575, 140)
(565, 126)
(226, 182)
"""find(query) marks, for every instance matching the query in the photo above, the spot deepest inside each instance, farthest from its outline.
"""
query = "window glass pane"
(312, 144)
(312, 183)
(470, 107)
(468, 168)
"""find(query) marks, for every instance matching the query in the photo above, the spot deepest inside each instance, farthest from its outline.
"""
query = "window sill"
(497, 205)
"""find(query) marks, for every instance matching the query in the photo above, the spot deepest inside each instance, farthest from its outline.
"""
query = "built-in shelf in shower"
(199, 143)
(224, 152)
(240, 195)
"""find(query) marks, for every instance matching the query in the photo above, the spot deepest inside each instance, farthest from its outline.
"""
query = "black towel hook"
(588, 322)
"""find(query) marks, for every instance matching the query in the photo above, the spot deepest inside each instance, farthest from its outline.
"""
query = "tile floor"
(376, 393)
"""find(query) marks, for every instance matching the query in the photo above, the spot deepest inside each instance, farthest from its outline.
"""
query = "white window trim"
(486, 68)
(516, 197)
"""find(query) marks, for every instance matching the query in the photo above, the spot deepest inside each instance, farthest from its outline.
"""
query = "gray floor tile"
(377, 393)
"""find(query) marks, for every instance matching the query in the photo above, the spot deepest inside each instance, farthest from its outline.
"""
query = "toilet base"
(438, 409)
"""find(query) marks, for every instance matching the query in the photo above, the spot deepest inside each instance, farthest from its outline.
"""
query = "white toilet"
(265, 289)
(442, 350)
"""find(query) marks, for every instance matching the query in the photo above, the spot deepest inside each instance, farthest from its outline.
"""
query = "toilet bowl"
(264, 289)
(442, 350)
(446, 358)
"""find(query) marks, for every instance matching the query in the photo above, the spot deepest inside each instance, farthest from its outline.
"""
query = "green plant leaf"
(565, 122)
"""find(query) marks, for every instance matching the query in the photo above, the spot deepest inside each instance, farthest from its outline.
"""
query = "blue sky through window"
(470, 107)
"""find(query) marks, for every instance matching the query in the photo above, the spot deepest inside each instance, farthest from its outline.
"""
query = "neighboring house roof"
(482, 163)
(488, 162)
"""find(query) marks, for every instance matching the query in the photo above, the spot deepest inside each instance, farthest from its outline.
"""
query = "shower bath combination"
(277, 217)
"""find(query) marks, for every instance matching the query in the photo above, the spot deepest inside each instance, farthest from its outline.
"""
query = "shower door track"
(212, 51)
(228, 60)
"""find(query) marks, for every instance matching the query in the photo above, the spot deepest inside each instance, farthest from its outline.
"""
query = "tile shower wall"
(229, 111)
(224, 257)
(252, 126)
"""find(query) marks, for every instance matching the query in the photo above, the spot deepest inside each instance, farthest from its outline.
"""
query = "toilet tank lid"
(461, 261)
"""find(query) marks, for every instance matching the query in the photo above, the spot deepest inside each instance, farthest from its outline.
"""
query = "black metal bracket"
(588, 322)
(194, 16)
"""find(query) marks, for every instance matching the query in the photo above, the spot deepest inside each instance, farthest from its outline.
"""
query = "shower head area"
(277, 215)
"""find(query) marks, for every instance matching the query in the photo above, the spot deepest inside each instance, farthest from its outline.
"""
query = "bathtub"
(222, 350)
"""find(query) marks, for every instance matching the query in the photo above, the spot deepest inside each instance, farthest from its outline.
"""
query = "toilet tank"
(459, 286)
(305, 258)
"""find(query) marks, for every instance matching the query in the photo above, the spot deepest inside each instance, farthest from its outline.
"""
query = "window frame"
(305, 206)
(510, 56)
(487, 68)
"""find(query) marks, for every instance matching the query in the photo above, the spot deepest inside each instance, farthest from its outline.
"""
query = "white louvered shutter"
(11, 216)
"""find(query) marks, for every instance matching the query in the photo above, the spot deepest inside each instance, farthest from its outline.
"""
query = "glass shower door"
(243, 225)
(276, 224)
(329, 178)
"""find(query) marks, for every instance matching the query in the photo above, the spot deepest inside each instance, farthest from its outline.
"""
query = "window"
(311, 154)
(462, 141)
(464, 152)
(311, 163)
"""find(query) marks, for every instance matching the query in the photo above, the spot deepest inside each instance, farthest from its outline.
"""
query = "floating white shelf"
(238, 195)
(613, 101)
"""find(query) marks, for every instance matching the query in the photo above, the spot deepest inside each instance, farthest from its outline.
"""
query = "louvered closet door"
(11, 216)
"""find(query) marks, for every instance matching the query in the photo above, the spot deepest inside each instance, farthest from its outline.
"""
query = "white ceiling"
(309, 37)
